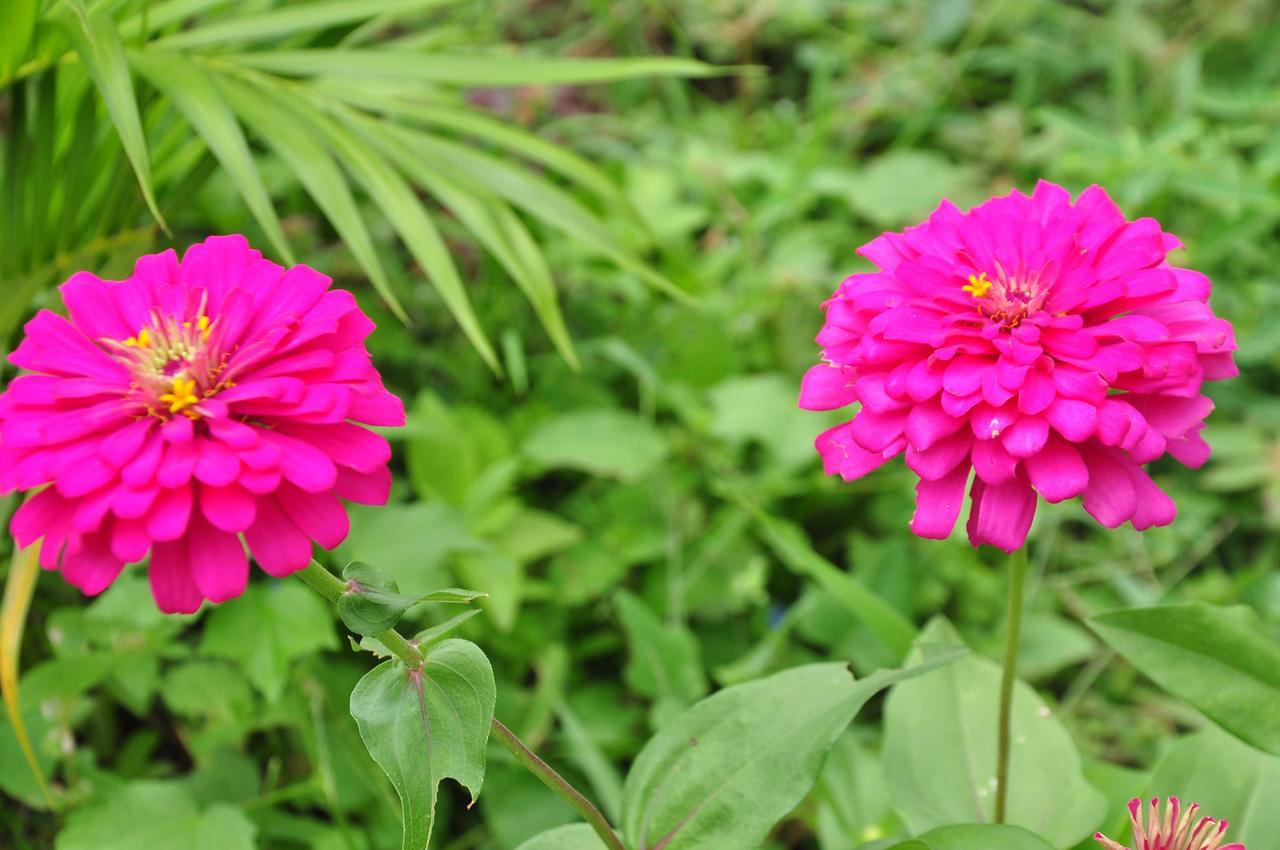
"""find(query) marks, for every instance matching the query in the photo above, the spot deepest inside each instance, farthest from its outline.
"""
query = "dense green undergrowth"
(646, 514)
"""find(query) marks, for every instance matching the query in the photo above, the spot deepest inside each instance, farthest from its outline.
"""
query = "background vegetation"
(599, 300)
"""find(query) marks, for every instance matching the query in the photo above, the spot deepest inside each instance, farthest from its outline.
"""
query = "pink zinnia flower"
(1172, 831)
(186, 406)
(1047, 345)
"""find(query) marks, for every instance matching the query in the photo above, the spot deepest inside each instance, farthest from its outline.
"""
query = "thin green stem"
(557, 783)
(1017, 594)
(332, 588)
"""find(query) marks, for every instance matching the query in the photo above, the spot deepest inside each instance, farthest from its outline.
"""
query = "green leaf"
(940, 754)
(469, 69)
(664, 661)
(423, 726)
(17, 24)
(1230, 780)
(496, 227)
(576, 836)
(1218, 659)
(96, 40)
(726, 770)
(155, 816)
(405, 212)
(436, 633)
(194, 94)
(373, 602)
(280, 23)
(290, 137)
(537, 196)
(266, 629)
(988, 837)
(611, 443)
(191, 89)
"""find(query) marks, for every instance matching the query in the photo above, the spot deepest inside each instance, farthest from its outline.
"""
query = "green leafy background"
(595, 237)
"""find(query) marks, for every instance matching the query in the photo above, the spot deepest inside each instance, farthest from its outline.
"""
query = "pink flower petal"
(218, 562)
(1001, 515)
(172, 584)
(277, 544)
(938, 504)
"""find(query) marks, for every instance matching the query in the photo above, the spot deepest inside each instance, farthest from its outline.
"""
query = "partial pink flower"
(194, 407)
(1172, 829)
(1048, 346)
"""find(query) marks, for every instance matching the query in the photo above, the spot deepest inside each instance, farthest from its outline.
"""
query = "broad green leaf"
(1221, 660)
(940, 754)
(576, 836)
(612, 443)
(902, 186)
(664, 661)
(469, 69)
(762, 408)
(155, 816)
(423, 726)
(726, 770)
(1230, 780)
(17, 23)
(283, 22)
(987, 837)
(266, 629)
(193, 93)
(295, 143)
(98, 42)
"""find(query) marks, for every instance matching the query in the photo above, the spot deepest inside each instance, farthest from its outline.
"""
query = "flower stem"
(1017, 594)
(557, 783)
(331, 587)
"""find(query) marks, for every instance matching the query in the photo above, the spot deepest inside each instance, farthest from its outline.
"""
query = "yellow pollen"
(181, 395)
(142, 340)
(977, 285)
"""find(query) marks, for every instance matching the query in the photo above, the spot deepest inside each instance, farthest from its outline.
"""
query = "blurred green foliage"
(602, 508)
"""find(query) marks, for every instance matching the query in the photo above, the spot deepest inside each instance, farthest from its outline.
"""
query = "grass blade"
(471, 69)
(290, 20)
(536, 196)
(98, 43)
(17, 25)
(189, 88)
(412, 222)
(496, 227)
(282, 129)
(18, 590)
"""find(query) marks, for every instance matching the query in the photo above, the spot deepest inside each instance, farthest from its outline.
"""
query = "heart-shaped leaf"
(424, 725)
(1218, 659)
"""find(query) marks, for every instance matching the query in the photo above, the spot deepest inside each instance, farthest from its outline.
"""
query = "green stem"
(1017, 594)
(557, 783)
(331, 587)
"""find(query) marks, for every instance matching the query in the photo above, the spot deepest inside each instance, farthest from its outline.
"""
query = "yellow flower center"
(181, 394)
(977, 285)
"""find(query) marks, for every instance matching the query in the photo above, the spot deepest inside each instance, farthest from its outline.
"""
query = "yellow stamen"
(977, 285)
(181, 395)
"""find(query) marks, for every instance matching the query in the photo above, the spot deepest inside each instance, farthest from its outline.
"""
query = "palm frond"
(182, 88)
